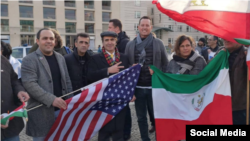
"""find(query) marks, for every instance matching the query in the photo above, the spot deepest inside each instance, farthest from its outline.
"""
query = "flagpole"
(81, 88)
(60, 97)
(247, 117)
(72, 92)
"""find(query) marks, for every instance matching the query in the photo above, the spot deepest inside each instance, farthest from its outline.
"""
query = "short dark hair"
(216, 38)
(180, 40)
(7, 49)
(39, 32)
(116, 23)
(145, 17)
(84, 35)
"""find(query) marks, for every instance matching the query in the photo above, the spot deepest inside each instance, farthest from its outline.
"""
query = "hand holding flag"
(18, 112)
(23, 96)
(6, 125)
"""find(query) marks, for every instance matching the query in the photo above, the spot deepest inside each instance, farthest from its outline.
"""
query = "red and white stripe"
(77, 122)
(226, 19)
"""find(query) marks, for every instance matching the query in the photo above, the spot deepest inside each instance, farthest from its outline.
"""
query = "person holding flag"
(238, 72)
(103, 65)
(10, 87)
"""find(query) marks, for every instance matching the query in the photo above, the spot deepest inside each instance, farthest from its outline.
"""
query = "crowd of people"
(51, 70)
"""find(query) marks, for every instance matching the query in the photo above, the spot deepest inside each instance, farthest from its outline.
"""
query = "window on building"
(106, 5)
(105, 27)
(48, 2)
(4, 10)
(70, 40)
(170, 40)
(70, 14)
(137, 14)
(197, 38)
(152, 21)
(136, 26)
(26, 11)
(158, 34)
(4, 25)
(26, 26)
(89, 15)
(180, 28)
(170, 19)
(159, 18)
(89, 4)
(188, 29)
(70, 3)
(49, 13)
(171, 27)
(70, 27)
(89, 27)
(106, 16)
(137, 2)
(48, 24)
(27, 39)
(152, 11)
(25, 1)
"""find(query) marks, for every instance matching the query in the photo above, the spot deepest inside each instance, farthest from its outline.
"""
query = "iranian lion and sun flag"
(204, 98)
(178, 100)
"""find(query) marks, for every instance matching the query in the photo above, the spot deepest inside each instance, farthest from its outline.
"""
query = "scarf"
(186, 64)
(109, 59)
(141, 45)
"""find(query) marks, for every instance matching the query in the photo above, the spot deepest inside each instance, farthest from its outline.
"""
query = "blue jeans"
(143, 103)
(128, 123)
(16, 138)
(239, 117)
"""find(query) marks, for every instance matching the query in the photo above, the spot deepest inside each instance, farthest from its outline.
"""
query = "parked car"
(20, 52)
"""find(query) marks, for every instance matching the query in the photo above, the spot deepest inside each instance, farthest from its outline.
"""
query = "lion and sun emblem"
(194, 2)
(197, 101)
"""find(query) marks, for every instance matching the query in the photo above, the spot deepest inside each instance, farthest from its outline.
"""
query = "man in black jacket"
(115, 25)
(213, 47)
(77, 62)
(103, 65)
(11, 87)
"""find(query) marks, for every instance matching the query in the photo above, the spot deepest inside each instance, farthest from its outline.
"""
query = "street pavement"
(135, 133)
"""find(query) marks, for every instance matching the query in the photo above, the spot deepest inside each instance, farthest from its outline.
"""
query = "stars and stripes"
(89, 111)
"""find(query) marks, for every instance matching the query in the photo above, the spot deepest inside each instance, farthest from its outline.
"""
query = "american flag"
(89, 111)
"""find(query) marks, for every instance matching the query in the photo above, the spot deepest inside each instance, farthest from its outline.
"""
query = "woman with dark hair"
(185, 59)
(6, 50)
(58, 45)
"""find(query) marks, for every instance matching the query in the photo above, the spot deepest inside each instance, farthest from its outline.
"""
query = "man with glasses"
(213, 46)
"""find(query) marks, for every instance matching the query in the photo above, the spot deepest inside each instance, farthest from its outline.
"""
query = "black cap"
(108, 33)
(203, 40)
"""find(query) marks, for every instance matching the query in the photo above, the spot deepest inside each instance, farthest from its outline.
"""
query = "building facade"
(131, 12)
(21, 20)
(164, 22)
